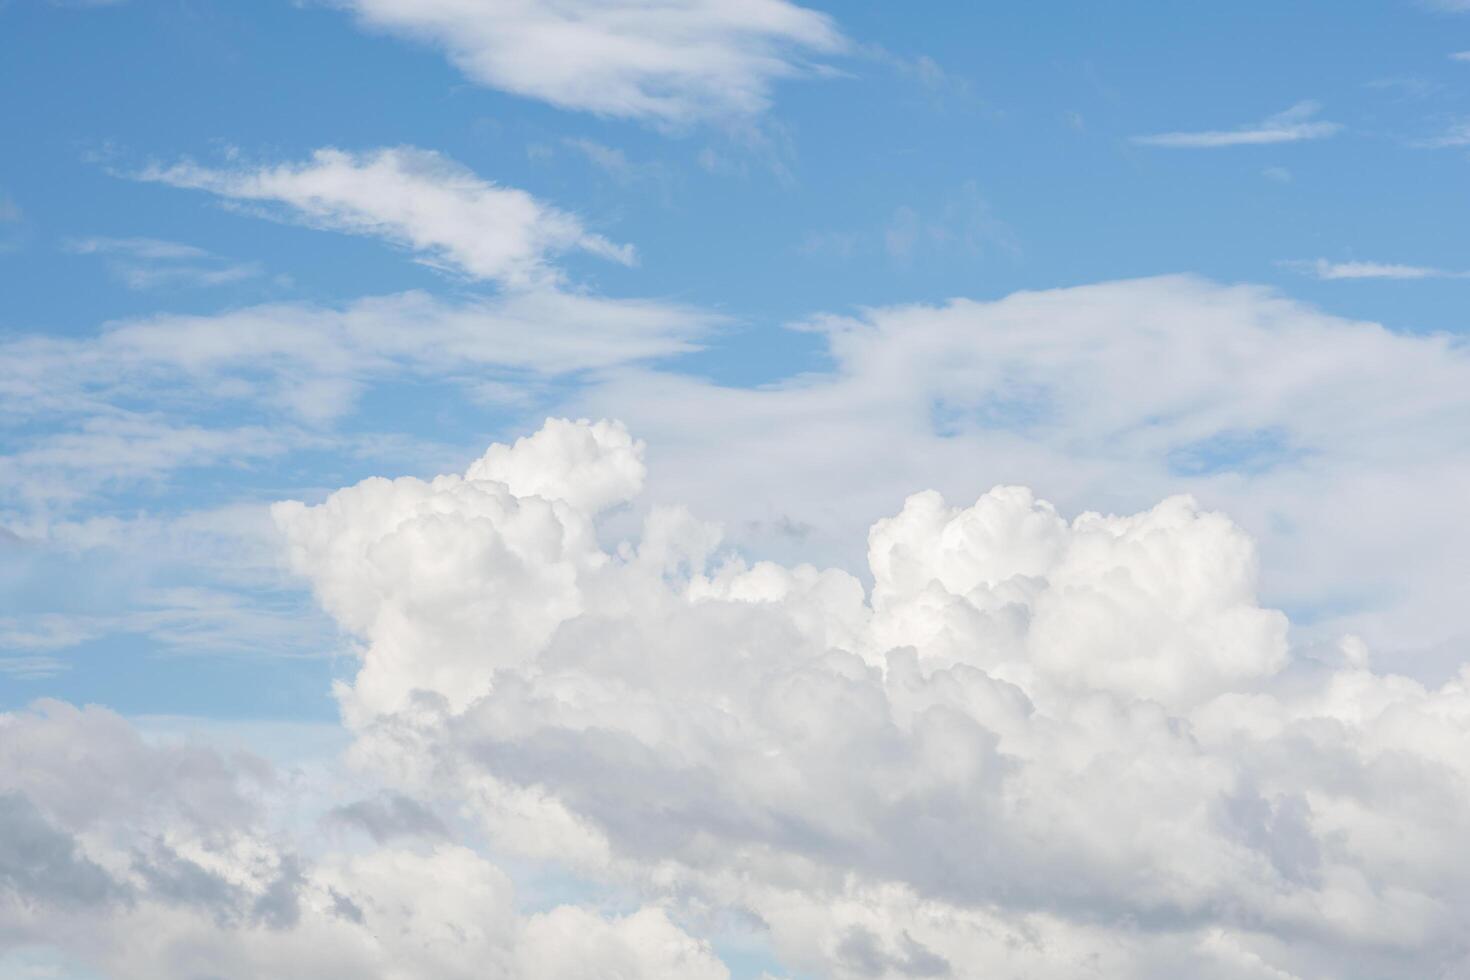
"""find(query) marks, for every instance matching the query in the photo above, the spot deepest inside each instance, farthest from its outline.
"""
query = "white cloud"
(418, 200)
(1460, 56)
(1102, 396)
(1458, 134)
(962, 225)
(296, 368)
(149, 263)
(151, 408)
(1057, 389)
(113, 450)
(670, 63)
(1296, 123)
(141, 248)
(1034, 743)
(615, 163)
(30, 668)
(310, 361)
(1323, 269)
(165, 859)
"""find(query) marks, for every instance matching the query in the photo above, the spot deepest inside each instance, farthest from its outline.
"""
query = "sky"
(733, 488)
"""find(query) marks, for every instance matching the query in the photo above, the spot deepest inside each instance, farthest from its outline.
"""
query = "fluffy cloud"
(669, 63)
(1035, 745)
(418, 200)
(166, 861)
(1339, 445)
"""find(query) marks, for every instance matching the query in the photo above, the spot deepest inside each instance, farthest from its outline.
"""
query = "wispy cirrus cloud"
(1292, 125)
(417, 199)
(671, 63)
(1327, 270)
(1456, 134)
(150, 263)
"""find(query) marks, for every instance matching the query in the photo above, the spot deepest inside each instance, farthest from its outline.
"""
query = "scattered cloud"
(1296, 123)
(151, 263)
(309, 362)
(1278, 174)
(962, 224)
(832, 244)
(418, 200)
(162, 858)
(123, 408)
(9, 210)
(1408, 87)
(1456, 135)
(1460, 56)
(32, 668)
(615, 164)
(1323, 269)
(965, 223)
(1061, 388)
(934, 78)
(671, 63)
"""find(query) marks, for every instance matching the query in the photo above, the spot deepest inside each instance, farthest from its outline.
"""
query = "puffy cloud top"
(1034, 744)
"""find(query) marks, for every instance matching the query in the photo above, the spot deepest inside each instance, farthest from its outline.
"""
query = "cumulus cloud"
(1034, 744)
(160, 861)
(668, 63)
(1057, 389)
(416, 199)
(1303, 426)
(1023, 741)
(1289, 126)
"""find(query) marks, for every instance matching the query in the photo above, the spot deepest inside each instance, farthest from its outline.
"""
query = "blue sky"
(1028, 141)
(966, 151)
(708, 666)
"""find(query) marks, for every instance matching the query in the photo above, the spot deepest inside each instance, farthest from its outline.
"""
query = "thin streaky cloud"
(1460, 56)
(1327, 270)
(140, 248)
(419, 200)
(1296, 123)
(1458, 134)
(32, 668)
(141, 263)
